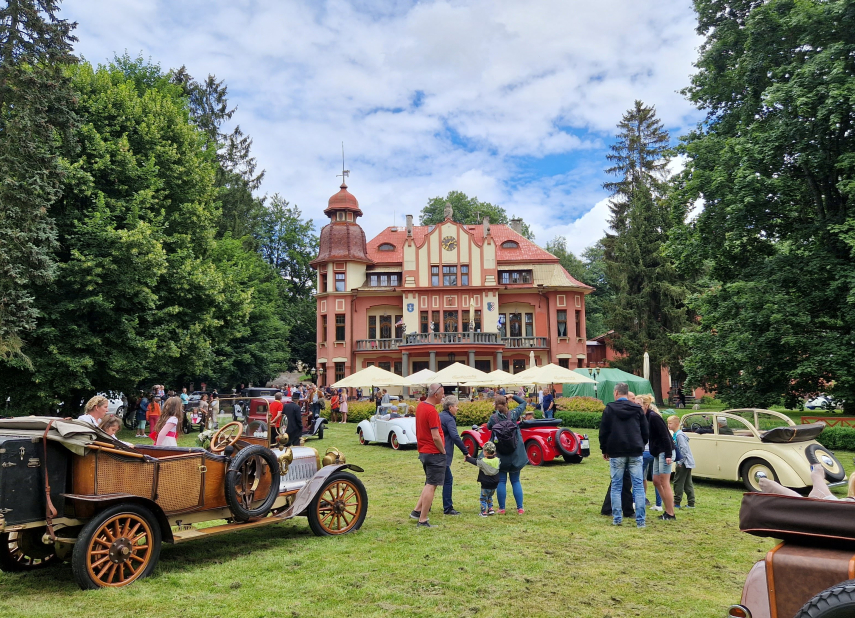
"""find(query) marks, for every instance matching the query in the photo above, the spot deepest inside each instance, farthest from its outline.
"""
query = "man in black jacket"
(623, 434)
(448, 421)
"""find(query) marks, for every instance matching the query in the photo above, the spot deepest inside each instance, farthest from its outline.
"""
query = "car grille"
(300, 472)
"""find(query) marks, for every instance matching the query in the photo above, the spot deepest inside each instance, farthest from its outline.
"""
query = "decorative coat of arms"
(491, 306)
(411, 307)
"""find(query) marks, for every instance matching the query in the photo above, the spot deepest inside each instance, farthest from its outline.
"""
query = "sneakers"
(656, 508)
(485, 514)
(415, 514)
(667, 517)
(451, 512)
(501, 511)
(689, 506)
(520, 511)
(491, 512)
(424, 524)
(640, 525)
(617, 523)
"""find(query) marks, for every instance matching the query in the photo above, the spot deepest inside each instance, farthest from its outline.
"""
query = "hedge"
(581, 420)
(834, 438)
(579, 404)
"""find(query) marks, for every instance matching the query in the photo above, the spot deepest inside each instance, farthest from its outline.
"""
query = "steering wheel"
(226, 436)
(696, 426)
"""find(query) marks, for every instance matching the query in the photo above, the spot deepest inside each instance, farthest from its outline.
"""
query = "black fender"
(101, 503)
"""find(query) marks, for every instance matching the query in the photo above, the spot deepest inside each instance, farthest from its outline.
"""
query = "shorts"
(141, 424)
(659, 465)
(434, 466)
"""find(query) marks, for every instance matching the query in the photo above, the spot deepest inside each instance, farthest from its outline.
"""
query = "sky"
(513, 102)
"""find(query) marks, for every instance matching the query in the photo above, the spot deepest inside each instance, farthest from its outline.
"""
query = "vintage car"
(752, 443)
(258, 408)
(397, 432)
(544, 440)
(811, 574)
(242, 402)
(193, 418)
(70, 492)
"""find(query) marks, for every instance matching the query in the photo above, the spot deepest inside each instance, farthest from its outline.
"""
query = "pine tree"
(36, 109)
(647, 305)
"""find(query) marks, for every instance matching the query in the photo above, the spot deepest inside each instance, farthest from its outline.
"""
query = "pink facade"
(426, 296)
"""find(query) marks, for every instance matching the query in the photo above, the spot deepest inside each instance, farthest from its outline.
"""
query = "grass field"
(561, 558)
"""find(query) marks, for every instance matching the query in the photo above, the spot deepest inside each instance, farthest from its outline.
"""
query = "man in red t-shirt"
(431, 445)
(275, 416)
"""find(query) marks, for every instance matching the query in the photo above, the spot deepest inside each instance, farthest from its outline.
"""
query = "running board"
(188, 533)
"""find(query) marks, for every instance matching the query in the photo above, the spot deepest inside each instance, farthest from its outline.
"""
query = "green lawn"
(561, 558)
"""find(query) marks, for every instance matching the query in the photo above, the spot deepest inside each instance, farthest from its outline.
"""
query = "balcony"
(373, 345)
(526, 343)
(451, 339)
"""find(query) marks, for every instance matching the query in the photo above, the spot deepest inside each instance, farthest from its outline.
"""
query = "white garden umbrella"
(420, 378)
(498, 378)
(552, 374)
(371, 377)
(646, 366)
(458, 373)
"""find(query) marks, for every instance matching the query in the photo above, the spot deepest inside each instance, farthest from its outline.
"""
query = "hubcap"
(828, 461)
(760, 475)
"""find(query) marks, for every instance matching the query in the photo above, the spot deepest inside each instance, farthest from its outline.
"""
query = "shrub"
(474, 412)
(581, 420)
(838, 438)
(579, 404)
(707, 400)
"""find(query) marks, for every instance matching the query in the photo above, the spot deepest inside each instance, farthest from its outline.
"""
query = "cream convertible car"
(752, 444)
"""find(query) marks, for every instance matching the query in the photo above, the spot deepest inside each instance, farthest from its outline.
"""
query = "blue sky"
(514, 102)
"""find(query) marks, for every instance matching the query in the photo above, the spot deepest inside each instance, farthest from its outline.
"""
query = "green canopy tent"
(606, 380)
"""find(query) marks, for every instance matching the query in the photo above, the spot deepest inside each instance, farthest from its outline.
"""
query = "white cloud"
(495, 81)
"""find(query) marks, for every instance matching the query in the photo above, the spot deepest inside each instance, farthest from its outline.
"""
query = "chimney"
(409, 226)
(486, 226)
(516, 225)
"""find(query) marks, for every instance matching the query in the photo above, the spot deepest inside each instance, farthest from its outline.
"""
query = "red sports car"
(543, 438)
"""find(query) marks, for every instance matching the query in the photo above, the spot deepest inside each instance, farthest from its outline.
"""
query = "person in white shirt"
(94, 410)
(540, 399)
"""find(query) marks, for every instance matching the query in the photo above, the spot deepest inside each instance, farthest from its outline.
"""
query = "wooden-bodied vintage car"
(68, 491)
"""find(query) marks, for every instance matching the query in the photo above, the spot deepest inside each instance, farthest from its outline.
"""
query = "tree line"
(133, 246)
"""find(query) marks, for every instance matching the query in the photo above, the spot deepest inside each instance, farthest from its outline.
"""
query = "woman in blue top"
(511, 464)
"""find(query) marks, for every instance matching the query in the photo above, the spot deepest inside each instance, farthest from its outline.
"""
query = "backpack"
(505, 437)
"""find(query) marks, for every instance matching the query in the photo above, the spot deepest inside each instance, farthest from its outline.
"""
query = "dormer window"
(510, 244)
(386, 246)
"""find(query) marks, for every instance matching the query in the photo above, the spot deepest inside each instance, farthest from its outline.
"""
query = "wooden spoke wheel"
(24, 551)
(117, 547)
(339, 507)
(245, 475)
(226, 436)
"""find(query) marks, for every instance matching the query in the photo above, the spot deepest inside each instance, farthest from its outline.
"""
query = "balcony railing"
(369, 345)
(528, 343)
(451, 338)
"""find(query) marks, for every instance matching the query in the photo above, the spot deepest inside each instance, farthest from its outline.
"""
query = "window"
(372, 327)
(580, 362)
(449, 275)
(419, 365)
(510, 244)
(434, 276)
(529, 325)
(385, 365)
(451, 321)
(323, 282)
(350, 216)
(578, 323)
(483, 365)
(324, 328)
(394, 280)
(425, 322)
(477, 320)
(516, 324)
(339, 216)
(373, 281)
(386, 246)
(519, 365)
(435, 318)
(464, 275)
(384, 280)
(515, 277)
(398, 368)
(562, 323)
(339, 282)
(564, 362)
(503, 325)
(506, 366)
(385, 327)
(399, 327)
(339, 371)
(339, 328)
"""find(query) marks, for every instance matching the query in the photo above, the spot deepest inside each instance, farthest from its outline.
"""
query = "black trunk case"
(22, 478)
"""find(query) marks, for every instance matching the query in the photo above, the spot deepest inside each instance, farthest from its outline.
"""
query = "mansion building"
(418, 297)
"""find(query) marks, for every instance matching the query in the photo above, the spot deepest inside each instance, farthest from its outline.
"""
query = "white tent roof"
(552, 374)
(370, 376)
(420, 378)
(458, 373)
(499, 378)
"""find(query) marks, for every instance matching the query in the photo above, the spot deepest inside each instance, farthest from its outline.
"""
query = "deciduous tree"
(468, 210)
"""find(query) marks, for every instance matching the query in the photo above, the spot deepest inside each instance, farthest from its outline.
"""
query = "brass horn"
(333, 457)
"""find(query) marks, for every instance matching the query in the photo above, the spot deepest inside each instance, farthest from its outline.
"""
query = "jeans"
(502, 490)
(549, 413)
(648, 468)
(487, 499)
(447, 504)
(617, 466)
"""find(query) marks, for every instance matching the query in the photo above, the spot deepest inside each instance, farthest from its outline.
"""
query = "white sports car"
(397, 432)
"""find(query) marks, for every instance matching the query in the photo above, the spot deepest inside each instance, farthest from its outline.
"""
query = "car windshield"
(698, 423)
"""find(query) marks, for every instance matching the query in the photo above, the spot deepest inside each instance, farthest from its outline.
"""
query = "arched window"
(386, 246)
(510, 244)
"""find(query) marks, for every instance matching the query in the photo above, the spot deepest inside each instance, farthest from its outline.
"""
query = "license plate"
(586, 444)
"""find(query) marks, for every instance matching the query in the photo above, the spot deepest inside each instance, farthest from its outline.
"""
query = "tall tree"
(468, 210)
(774, 166)
(36, 114)
(648, 303)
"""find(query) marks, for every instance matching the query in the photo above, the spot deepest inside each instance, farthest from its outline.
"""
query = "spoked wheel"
(534, 452)
(24, 551)
(753, 470)
(393, 442)
(471, 445)
(244, 477)
(362, 439)
(339, 507)
(117, 547)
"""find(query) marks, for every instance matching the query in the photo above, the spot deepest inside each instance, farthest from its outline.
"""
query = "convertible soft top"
(793, 433)
(72, 434)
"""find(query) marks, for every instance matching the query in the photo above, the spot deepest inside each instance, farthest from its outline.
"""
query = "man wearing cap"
(431, 445)
(448, 421)
(294, 418)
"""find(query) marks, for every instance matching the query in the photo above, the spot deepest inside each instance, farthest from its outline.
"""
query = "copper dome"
(342, 241)
(344, 201)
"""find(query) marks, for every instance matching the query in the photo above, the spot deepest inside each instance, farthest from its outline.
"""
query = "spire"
(344, 173)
